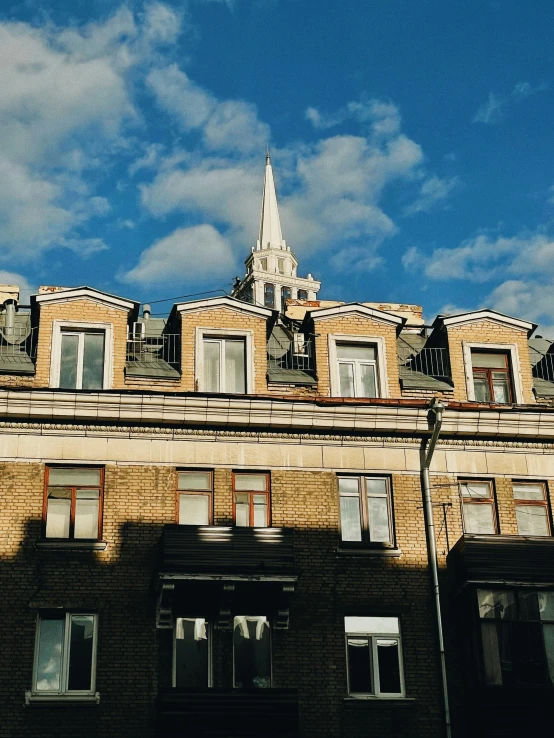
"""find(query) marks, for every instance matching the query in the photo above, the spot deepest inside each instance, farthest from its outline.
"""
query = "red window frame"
(71, 536)
(208, 493)
(489, 500)
(487, 372)
(544, 503)
(251, 493)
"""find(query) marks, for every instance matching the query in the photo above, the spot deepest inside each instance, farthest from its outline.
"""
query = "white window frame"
(377, 694)
(246, 335)
(64, 693)
(209, 636)
(381, 361)
(515, 372)
(59, 326)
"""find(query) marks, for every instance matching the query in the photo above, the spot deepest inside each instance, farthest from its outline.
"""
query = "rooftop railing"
(295, 353)
(543, 365)
(434, 362)
(18, 340)
(151, 349)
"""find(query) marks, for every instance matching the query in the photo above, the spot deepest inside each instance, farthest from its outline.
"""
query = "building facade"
(214, 524)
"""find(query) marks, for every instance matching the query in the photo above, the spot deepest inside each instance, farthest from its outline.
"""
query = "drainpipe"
(436, 408)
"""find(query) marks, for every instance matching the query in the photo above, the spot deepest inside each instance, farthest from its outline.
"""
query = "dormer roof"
(85, 293)
(211, 303)
(477, 316)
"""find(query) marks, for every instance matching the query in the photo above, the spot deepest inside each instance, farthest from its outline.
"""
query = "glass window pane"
(254, 482)
(548, 634)
(388, 657)
(252, 656)
(379, 525)
(68, 360)
(191, 652)
(86, 513)
(260, 511)
(496, 603)
(242, 510)
(235, 377)
(371, 624)
(529, 491)
(350, 520)
(481, 388)
(80, 653)
(478, 518)
(500, 388)
(194, 480)
(359, 351)
(49, 660)
(74, 477)
(367, 380)
(477, 490)
(302, 295)
(546, 605)
(349, 485)
(491, 653)
(93, 361)
(532, 520)
(58, 513)
(211, 366)
(528, 605)
(194, 509)
(488, 360)
(269, 296)
(285, 295)
(376, 487)
(359, 665)
(346, 377)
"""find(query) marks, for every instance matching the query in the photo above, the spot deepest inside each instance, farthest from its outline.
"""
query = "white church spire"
(270, 236)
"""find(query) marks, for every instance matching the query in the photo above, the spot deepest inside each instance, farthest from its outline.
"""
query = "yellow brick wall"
(217, 318)
(487, 331)
(354, 325)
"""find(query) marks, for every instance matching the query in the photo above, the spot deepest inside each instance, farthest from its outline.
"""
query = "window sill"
(380, 701)
(379, 552)
(62, 700)
(72, 545)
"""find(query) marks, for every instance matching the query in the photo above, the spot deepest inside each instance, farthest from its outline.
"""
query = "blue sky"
(412, 145)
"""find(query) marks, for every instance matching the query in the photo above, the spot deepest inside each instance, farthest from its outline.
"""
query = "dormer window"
(491, 376)
(224, 365)
(82, 357)
(357, 370)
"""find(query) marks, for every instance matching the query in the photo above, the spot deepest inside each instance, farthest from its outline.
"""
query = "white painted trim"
(359, 309)
(249, 367)
(514, 367)
(216, 302)
(80, 293)
(479, 315)
(56, 346)
(382, 374)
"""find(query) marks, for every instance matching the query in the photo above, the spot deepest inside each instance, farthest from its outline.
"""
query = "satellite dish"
(279, 343)
(15, 335)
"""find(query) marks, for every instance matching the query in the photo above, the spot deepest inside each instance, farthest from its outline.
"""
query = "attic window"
(82, 355)
(491, 376)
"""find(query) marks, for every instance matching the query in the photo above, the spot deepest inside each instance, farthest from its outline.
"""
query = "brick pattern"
(488, 331)
(354, 325)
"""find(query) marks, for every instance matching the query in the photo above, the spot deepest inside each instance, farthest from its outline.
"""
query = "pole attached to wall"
(436, 409)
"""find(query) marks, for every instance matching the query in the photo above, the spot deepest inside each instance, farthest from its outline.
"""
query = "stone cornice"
(268, 415)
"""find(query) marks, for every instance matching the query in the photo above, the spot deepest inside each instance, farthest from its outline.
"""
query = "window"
(517, 636)
(251, 500)
(73, 503)
(478, 507)
(224, 365)
(285, 295)
(194, 497)
(531, 509)
(491, 376)
(302, 295)
(191, 653)
(281, 266)
(357, 370)
(82, 359)
(374, 657)
(365, 511)
(65, 654)
(251, 652)
(269, 296)
(263, 264)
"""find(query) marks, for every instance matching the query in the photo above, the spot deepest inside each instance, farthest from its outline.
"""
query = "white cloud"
(433, 191)
(227, 126)
(493, 110)
(384, 116)
(199, 252)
